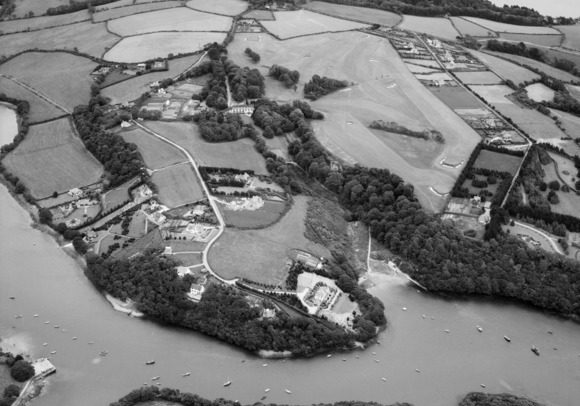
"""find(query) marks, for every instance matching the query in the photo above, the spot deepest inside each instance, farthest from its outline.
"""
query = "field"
(420, 69)
(64, 78)
(173, 19)
(260, 15)
(549, 40)
(290, 24)
(92, 39)
(51, 158)
(227, 7)
(23, 7)
(437, 27)
(571, 36)
(149, 46)
(118, 3)
(503, 27)
(556, 73)
(574, 91)
(571, 126)
(116, 197)
(456, 97)
(466, 27)
(532, 122)
(360, 14)
(188, 259)
(566, 169)
(504, 69)
(261, 255)
(569, 202)
(563, 54)
(120, 12)
(479, 78)
(498, 162)
(539, 92)
(177, 185)
(495, 94)
(40, 110)
(131, 89)
(262, 217)
(237, 154)
(156, 153)
(39, 23)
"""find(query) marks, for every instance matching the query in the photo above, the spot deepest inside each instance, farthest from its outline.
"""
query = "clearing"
(434, 26)
(52, 158)
(239, 154)
(120, 12)
(547, 69)
(177, 185)
(504, 69)
(290, 24)
(497, 161)
(262, 255)
(479, 78)
(40, 110)
(39, 23)
(227, 7)
(156, 153)
(539, 92)
(65, 78)
(141, 48)
(503, 27)
(359, 14)
(173, 19)
(571, 36)
(548, 40)
(466, 27)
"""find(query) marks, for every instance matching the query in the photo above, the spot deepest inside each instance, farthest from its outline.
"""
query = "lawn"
(173, 19)
(466, 27)
(290, 24)
(549, 70)
(188, 259)
(497, 161)
(504, 69)
(63, 78)
(494, 94)
(227, 7)
(540, 92)
(177, 185)
(260, 218)
(456, 97)
(261, 255)
(569, 202)
(360, 14)
(156, 153)
(435, 26)
(152, 240)
(548, 40)
(40, 110)
(39, 23)
(149, 46)
(51, 158)
(119, 12)
(518, 229)
(238, 154)
(92, 39)
(566, 168)
(572, 35)
(503, 27)
(479, 78)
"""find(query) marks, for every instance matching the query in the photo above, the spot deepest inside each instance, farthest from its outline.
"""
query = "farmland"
(65, 77)
(495, 94)
(466, 27)
(156, 153)
(38, 8)
(540, 39)
(360, 14)
(504, 69)
(238, 154)
(539, 92)
(174, 19)
(497, 162)
(571, 125)
(437, 27)
(572, 36)
(260, 14)
(456, 97)
(39, 23)
(259, 218)
(51, 158)
(227, 7)
(549, 70)
(177, 185)
(120, 12)
(569, 203)
(503, 27)
(290, 24)
(566, 169)
(479, 78)
(261, 255)
(118, 3)
(40, 110)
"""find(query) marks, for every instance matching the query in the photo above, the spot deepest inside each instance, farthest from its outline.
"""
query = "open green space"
(156, 153)
(290, 24)
(434, 26)
(40, 110)
(505, 69)
(40, 23)
(456, 97)
(548, 40)
(177, 185)
(543, 67)
(259, 218)
(496, 161)
(466, 27)
(503, 27)
(571, 35)
(119, 12)
(227, 7)
(360, 14)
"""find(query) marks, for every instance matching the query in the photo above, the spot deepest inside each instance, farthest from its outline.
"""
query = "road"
(210, 199)
(553, 243)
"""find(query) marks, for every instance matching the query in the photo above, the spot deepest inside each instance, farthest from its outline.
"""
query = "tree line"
(288, 77)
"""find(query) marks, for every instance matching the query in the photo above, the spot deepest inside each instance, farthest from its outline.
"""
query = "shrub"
(22, 371)
(11, 391)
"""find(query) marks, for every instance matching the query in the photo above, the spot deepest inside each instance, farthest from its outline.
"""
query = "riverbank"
(128, 307)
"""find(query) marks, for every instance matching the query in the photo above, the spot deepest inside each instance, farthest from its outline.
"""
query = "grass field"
(566, 169)
(40, 110)
(569, 202)
(494, 94)
(428, 63)
(503, 27)
(290, 24)
(51, 158)
(120, 12)
(227, 7)
(553, 53)
(149, 46)
(39, 23)
(456, 97)
(23, 7)
(64, 77)
(479, 78)
(466, 27)
(118, 3)
(173, 19)
(177, 185)
(92, 39)
(360, 14)
(556, 73)
(540, 92)
(571, 36)
(188, 259)
(262, 217)
(574, 91)
(156, 153)
(261, 255)
(260, 15)
(116, 197)
(238, 154)
(504, 69)
(435, 26)
(496, 161)
(571, 126)
(537, 125)
(549, 40)
(420, 69)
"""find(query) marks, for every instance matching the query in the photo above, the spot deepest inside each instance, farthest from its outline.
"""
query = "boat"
(186, 374)
(329, 356)
(53, 352)
(384, 379)
(155, 378)
(479, 328)
(288, 391)
(264, 365)
(267, 390)
(75, 338)
(150, 362)
(509, 340)
(482, 385)
(447, 331)
(535, 350)
(227, 383)
(44, 344)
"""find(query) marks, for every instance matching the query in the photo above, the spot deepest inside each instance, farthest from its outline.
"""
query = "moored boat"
(227, 383)
(509, 340)
(151, 362)
(288, 391)
(535, 350)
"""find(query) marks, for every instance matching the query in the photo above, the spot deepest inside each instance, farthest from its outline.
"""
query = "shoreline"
(128, 307)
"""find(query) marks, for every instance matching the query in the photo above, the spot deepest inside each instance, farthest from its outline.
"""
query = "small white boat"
(227, 383)
(75, 338)
(35, 315)
(509, 340)
(482, 385)
(447, 331)
(155, 378)
(151, 362)
(404, 309)
(329, 356)
(264, 365)
(53, 352)
(479, 328)
(384, 379)
(47, 322)
(267, 390)
(288, 391)
(44, 344)
(377, 361)
(186, 374)
(418, 371)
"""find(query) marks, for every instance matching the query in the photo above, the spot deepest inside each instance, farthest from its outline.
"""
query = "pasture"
(571, 36)
(479, 78)
(177, 185)
(118, 196)
(566, 169)
(156, 153)
(456, 97)
(548, 40)
(173, 19)
(571, 125)
(188, 259)
(539, 92)
(504, 69)
(503, 27)
(549, 70)
(120, 12)
(261, 255)
(37, 8)
(553, 53)
(574, 91)
(226, 7)
(534, 123)
(497, 161)
(359, 14)
(569, 202)
(420, 69)
(64, 79)
(250, 219)
(52, 158)
(466, 27)
(290, 24)
(238, 154)
(40, 23)
(160, 44)
(40, 110)
(428, 63)
(260, 15)
(495, 94)
(434, 26)
(118, 3)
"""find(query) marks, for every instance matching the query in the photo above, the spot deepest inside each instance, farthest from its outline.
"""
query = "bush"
(11, 391)
(554, 185)
(22, 371)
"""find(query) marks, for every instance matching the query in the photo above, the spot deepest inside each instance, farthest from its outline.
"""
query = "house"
(76, 193)
(160, 66)
(195, 292)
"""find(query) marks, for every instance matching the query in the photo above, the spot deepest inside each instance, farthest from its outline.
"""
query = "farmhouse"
(308, 259)
(195, 292)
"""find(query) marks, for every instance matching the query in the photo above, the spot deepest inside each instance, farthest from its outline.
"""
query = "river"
(8, 124)
(557, 8)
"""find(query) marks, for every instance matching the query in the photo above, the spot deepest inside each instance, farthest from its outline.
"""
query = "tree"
(22, 370)
(11, 391)
(554, 185)
(44, 216)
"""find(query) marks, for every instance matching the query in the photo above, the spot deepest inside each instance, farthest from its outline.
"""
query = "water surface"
(8, 124)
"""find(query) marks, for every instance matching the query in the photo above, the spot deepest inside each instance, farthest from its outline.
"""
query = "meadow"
(40, 110)
(120, 12)
(141, 48)
(569, 203)
(571, 125)
(37, 8)
(52, 158)
(39, 23)
(420, 69)
(466, 27)
(290, 24)
(497, 161)
(539, 92)
(504, 69)
(173, 19)
(261, 255)
(456, 97)
(493, 94)
(549, 70)
(177, 185)
(503, 27)
(118, 196)
(534, 123)
(434, 26)
(360, 14)
(571, 36)
(479, 78)
(260, 15)
(118, 3)
(156, 153)
(548, 40)
(226, 7)
(250, 219)
(566, 169)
